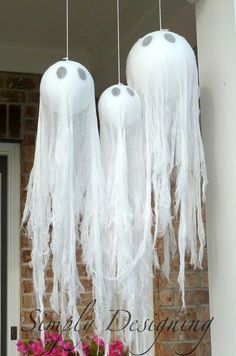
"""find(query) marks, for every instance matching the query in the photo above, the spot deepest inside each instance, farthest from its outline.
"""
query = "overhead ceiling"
(32, 32)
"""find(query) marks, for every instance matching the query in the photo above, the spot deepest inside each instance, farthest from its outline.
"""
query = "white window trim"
(12, 151)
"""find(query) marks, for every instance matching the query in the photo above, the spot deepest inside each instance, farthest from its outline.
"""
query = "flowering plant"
(56, 346)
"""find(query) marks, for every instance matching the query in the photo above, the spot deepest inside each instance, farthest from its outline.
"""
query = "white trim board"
(12, 151)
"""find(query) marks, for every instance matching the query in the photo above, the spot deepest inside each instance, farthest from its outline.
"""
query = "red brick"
(26, 271)
(203, 312)
(24, 181)
(31, 111)
(26, 256)
(21, 82)
(85, 298)
(191, 280)
(27, 286)
(28, 154)
(205, 349)
(49, 284)
(12, 96)
(79, 255)
(87, 283)
(27, 167)
(204, 279)
(165, 297)
(26, 242)
(49, 272)
(160, 246)
(29, 140)
(33, 97)
(82, 270)
(185, 348)
(28, 301)
(30, 126)
(169, 349)
(193, 297)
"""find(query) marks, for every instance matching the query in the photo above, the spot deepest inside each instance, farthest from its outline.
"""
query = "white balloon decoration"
(161, 67)
(64, 192)
(127, 252)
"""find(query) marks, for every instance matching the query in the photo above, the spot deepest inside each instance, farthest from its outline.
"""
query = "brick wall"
(168, 305)
(18, 121)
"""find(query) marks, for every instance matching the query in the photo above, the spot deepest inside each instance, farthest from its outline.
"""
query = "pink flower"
(56, 337)
(21, 347)
(37, 348)
(55, 352)
(86, 348)
(99, 341)
(67, 347)
(56, 346)
(116, 348)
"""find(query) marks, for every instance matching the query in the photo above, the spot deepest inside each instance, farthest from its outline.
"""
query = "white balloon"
(158, 59)
(70, 81)
(120, 106)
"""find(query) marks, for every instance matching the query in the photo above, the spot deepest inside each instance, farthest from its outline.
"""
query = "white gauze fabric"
(162, 68)
(126, 256)
(64, 194)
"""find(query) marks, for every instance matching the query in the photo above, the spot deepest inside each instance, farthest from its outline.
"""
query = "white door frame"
(12, 151)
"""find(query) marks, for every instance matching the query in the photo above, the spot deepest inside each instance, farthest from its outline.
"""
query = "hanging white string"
(67, 30)
(160, 14)
(118, 38)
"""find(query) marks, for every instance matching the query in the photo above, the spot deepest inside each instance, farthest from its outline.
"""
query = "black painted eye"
(115, 91)
(61, 72)
(130, 92)
(82, 74)
(169, 37)
(147, 40)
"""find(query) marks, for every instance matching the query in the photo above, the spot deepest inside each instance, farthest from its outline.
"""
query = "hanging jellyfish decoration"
(63, 202)
(127, 271)
(162, 68)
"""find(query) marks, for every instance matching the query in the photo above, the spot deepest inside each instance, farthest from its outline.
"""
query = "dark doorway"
(3, 220)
